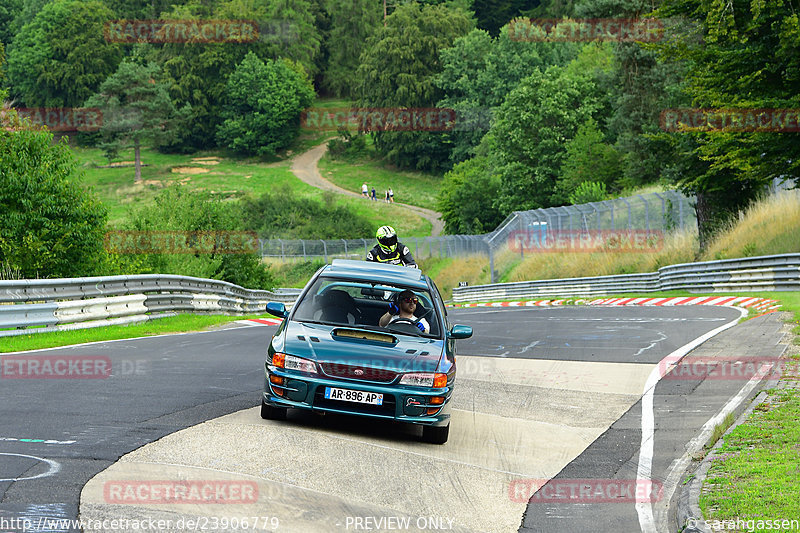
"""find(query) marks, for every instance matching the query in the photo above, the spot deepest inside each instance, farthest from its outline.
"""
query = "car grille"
(387, 409)
(379, 375)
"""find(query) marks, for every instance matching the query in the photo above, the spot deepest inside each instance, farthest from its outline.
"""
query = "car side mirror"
(459, 331)
(277, 309)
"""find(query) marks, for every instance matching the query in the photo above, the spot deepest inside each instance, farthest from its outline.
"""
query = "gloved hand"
(393, 309)
(421, 327)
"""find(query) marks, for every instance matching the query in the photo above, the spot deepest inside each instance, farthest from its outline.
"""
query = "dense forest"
(543, 122)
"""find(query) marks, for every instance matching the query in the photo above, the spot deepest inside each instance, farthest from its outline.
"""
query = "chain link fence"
(649, 213)
(444, 246)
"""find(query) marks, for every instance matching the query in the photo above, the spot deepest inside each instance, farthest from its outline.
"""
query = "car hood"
(356, 346)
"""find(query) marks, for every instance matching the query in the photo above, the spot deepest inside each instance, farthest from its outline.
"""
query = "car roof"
(380, 272)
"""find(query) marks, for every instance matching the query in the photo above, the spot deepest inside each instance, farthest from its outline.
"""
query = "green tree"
(588, 158)
(141, 9)
(465, 198)
(288, 29)
(588, 191)
(527, 140)
(398, 69)
(262, 107)
(643, 86)
(49, 225)
(61, 57)
(352, 23)
(181, 212)
(749, 57)
(136, 110)
(494, 14)
(197, 72)
(9, 10)
(478, 71)
(281, 214)
(25, 14)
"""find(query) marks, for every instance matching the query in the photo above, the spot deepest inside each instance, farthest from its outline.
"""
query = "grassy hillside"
(413, 188)
(771, 226)
(214, 172)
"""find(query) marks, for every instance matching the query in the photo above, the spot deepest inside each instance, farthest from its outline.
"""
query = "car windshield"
(362, 303)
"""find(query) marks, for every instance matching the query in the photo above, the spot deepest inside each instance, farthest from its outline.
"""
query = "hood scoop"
(361, 334)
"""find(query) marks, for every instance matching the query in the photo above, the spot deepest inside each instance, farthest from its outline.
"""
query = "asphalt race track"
(547, 398)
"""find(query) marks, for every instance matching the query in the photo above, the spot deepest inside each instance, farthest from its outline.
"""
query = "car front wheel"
(435, 435)
(269, 412)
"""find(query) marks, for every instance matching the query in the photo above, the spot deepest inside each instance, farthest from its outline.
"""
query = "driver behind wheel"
(403, 308)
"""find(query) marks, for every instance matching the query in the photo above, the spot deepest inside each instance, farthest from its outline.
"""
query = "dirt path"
(304, 166)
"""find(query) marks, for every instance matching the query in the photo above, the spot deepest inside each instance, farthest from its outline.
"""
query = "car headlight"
(291, 362)
(424, 379)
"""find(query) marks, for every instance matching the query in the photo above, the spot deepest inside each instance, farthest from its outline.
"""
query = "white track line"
(645, 467)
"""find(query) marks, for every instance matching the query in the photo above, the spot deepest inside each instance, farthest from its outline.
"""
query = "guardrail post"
(345, 247)
(366, 250)
(304, 247)
(629, 211)
(613, 224)
(283, 252)
(324, 250)
(646, 212)
(491, 263)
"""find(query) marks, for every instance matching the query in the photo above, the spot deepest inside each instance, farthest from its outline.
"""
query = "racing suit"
(400, 256)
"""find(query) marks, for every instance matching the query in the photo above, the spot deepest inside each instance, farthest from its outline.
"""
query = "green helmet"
(387, 239)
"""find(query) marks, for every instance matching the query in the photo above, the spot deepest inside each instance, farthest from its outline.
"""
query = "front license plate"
(346, 395)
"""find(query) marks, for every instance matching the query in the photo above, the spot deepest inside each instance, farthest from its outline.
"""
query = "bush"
(263, 101)
(588, 191)
(49, 225)
(179, 211)
(283, 215)
(347, 146)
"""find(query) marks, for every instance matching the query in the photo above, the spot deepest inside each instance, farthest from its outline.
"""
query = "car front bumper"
(401, 403)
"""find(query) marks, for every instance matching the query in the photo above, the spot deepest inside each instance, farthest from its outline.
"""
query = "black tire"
(435, 435)
(269, 412)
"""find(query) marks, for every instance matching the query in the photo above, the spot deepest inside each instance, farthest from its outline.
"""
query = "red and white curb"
(762, 304)
(260, 321)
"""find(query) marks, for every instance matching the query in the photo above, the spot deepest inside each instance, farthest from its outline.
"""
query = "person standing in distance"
(364, 190)
(388, 250)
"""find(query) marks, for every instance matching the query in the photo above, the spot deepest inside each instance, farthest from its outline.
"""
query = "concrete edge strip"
(696, 444)
(644, 510)
(689, 513)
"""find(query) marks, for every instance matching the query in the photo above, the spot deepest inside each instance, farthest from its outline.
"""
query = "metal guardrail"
(765, 273)
(35, 306)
